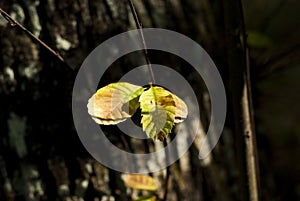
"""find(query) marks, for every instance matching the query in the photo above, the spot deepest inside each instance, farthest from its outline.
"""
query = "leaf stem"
(139, 26)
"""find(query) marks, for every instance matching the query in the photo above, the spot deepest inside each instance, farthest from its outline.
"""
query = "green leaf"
(158, 112)
(114, 103)
(258, 40)
(146, 198)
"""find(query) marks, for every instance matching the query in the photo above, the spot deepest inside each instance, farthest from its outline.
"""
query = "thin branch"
(168, 171)
(279, 62)
(139, 26)
(15, 23)
(248, 118)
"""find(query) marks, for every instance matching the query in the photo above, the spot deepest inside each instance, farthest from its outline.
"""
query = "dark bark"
(41, 156)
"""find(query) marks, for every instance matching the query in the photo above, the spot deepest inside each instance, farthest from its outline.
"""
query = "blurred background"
(41, 156)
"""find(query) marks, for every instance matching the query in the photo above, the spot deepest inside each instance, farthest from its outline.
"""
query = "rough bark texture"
(41, 156)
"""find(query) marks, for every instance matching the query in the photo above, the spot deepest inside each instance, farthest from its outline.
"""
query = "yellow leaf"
(181, 110)
(142, 182)
(114, 103)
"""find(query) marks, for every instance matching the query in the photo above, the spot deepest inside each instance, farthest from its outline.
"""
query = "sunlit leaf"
(158, 112)
(181, 110)
(114, 103)
(141, 182)
(160, 108)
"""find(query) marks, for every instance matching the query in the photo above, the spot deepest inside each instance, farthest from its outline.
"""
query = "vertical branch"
(139, 26)
(240, 87)
(235, 68)
(249, 147)
(248, 114)
(167, 171)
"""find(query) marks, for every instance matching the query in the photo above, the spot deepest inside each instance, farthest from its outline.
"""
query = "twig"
(139, 26)
(248, 114)
(15, 23)
(167, 171)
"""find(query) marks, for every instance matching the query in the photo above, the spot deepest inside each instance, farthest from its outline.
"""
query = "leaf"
(158, 112)
(146, 198)
(258, 40)
(142, 182)
(181, 110)
(114, 103)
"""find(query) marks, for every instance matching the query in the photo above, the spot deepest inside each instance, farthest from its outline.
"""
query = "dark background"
(41, 157)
